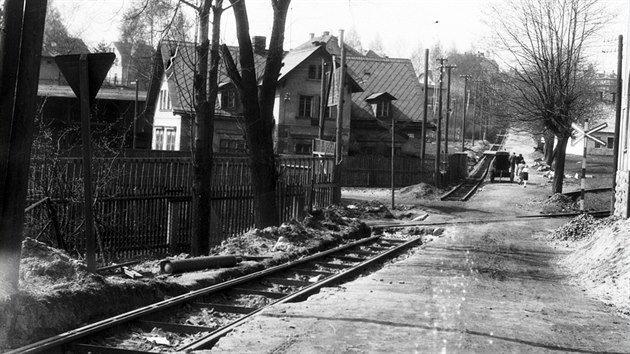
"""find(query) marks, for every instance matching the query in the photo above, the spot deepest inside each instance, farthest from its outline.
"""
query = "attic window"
(228, 99)
(165, 100)
(382, 109)
(314, 72)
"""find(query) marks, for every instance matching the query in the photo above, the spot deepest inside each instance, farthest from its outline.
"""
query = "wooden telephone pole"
(21, 55)
(439, 126)
(448, 108)
(466, 77)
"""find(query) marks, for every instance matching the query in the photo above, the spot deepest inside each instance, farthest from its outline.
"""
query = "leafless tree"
(545, 43)
(258, 105)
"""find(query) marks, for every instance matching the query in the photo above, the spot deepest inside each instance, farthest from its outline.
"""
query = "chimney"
(259, 44)
(326, 33)
(312, 35)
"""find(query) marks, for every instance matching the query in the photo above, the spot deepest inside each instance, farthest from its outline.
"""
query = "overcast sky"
(402, 25)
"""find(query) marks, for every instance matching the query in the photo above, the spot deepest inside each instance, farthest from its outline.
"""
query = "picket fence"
(143, 205)
(375, 171)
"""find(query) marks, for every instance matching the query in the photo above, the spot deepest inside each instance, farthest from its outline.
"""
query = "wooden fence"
(375, 171)
(143, 205)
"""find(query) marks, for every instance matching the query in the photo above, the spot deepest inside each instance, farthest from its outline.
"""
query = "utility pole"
(617, 123)
(448, 109)
(475, 110)
(424, 114)
(439, 126)
(466, 77)
(324, 102)
(342, 72)
(338, 133)
(20, 55)
(135, 119)
(482, 119)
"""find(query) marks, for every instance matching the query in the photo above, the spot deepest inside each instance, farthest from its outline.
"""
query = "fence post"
(173, 224)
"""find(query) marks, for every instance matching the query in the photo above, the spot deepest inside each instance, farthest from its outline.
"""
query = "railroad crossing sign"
(587, 133)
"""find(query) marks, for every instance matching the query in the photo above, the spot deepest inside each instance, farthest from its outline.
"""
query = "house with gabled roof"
(297, 105)
(299, 101)
(170, 102)
(131, 64)
(391, 91)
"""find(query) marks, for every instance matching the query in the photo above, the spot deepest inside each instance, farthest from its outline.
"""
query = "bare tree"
(258, 105)
(353, 39)
(549, 80)
(377, 46)
(57, 39)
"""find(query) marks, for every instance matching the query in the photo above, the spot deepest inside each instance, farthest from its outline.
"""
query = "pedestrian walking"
(512, 161)
(520, 163)
(524, 176)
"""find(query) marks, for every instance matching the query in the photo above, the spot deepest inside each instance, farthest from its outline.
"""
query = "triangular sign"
(98, 66)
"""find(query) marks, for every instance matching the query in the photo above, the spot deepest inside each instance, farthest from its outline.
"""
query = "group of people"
(519, 168)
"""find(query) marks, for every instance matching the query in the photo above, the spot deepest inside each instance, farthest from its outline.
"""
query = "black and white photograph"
(314, 176)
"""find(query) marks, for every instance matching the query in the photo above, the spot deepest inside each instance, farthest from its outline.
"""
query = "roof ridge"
(378, 59)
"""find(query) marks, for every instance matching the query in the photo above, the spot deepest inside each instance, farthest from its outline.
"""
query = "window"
(170, 139)
(382, 109)
(165, 102)
(303, 149)
(232, 146)
(306, 106)
(314, 72)
(165, 138)
(228, 99)
(610, 142)
(159, 138)
(331, 112)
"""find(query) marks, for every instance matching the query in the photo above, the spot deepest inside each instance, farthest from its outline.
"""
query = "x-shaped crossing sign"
(587, 133)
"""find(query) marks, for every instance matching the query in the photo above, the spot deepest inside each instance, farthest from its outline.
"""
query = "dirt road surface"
(482, 287)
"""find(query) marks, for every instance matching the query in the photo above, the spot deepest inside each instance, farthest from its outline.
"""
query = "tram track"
(166, 326)
(464, 190)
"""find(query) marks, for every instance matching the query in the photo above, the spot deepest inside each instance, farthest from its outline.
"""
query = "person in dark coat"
(512, 160)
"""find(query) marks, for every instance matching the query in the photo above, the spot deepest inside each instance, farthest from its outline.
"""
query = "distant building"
(390, 91)
(113, 109)
(133, 62)
(296, 107)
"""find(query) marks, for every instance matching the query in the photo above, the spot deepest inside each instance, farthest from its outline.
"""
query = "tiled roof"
(179, 63)
(394, 76)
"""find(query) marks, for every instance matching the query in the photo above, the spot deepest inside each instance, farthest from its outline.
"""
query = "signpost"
(585, 134)
(85, 74)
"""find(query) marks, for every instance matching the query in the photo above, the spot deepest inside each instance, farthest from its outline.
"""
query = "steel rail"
(484, 166)
(73, 335)
(600, 213)
(211, 339)
(479, 182)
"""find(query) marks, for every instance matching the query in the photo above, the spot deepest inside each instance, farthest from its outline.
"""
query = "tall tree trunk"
(202, 149)
(559, 162)
(258, 107)
(548, 148)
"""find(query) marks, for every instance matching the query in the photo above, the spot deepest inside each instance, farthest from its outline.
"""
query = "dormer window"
(382, 109)
(228, 99)
(381, 104)
(314, 72)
